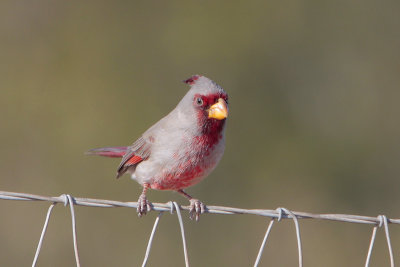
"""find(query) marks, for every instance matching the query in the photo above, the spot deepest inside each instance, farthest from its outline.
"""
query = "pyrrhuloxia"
(182, 148)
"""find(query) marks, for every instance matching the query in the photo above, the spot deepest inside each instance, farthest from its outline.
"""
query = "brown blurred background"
(314, 125)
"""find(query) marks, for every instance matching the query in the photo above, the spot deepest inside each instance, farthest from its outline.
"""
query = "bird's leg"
(196, 206)
(143, 205)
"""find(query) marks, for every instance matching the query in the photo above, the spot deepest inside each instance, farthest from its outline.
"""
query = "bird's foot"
(143, 206)
(196, 208)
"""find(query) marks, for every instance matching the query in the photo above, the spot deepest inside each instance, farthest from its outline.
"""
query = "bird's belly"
(188, 173)
(176, 181)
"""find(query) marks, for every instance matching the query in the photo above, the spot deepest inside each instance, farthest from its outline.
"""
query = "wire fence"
(275, 215)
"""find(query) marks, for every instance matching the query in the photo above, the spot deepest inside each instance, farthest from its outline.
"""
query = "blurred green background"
(314, 125)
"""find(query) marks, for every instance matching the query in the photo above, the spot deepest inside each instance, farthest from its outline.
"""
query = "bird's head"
(208, 102)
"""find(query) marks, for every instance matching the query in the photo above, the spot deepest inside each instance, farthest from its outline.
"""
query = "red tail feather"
(112, 152)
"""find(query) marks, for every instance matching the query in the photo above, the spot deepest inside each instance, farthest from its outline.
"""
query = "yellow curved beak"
(219, 110)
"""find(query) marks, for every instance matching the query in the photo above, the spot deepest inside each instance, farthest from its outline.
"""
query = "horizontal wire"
(91, 202)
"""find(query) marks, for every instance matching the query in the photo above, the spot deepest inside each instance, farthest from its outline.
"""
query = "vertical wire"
(39, 246)
(178, 212)
(371, 246)
(71, 206)
(264, 242)
(296, 224)
(151, 239)
(385, 224)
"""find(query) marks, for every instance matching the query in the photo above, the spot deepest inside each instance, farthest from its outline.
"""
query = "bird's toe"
(196, 208)
(143, 206)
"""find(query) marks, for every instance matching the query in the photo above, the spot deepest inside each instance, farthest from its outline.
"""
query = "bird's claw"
(143, 205)
(196, 208)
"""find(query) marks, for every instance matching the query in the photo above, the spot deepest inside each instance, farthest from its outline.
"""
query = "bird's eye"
(199, 101)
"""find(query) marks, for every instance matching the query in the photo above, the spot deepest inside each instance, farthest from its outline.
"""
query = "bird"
(179, 150)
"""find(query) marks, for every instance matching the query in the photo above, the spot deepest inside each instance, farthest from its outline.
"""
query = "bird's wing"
(137, 152)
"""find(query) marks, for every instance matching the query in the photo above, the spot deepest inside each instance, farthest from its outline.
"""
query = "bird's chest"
(191, 163)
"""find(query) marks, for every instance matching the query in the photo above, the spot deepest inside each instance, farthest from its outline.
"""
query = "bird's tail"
(112, 152)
